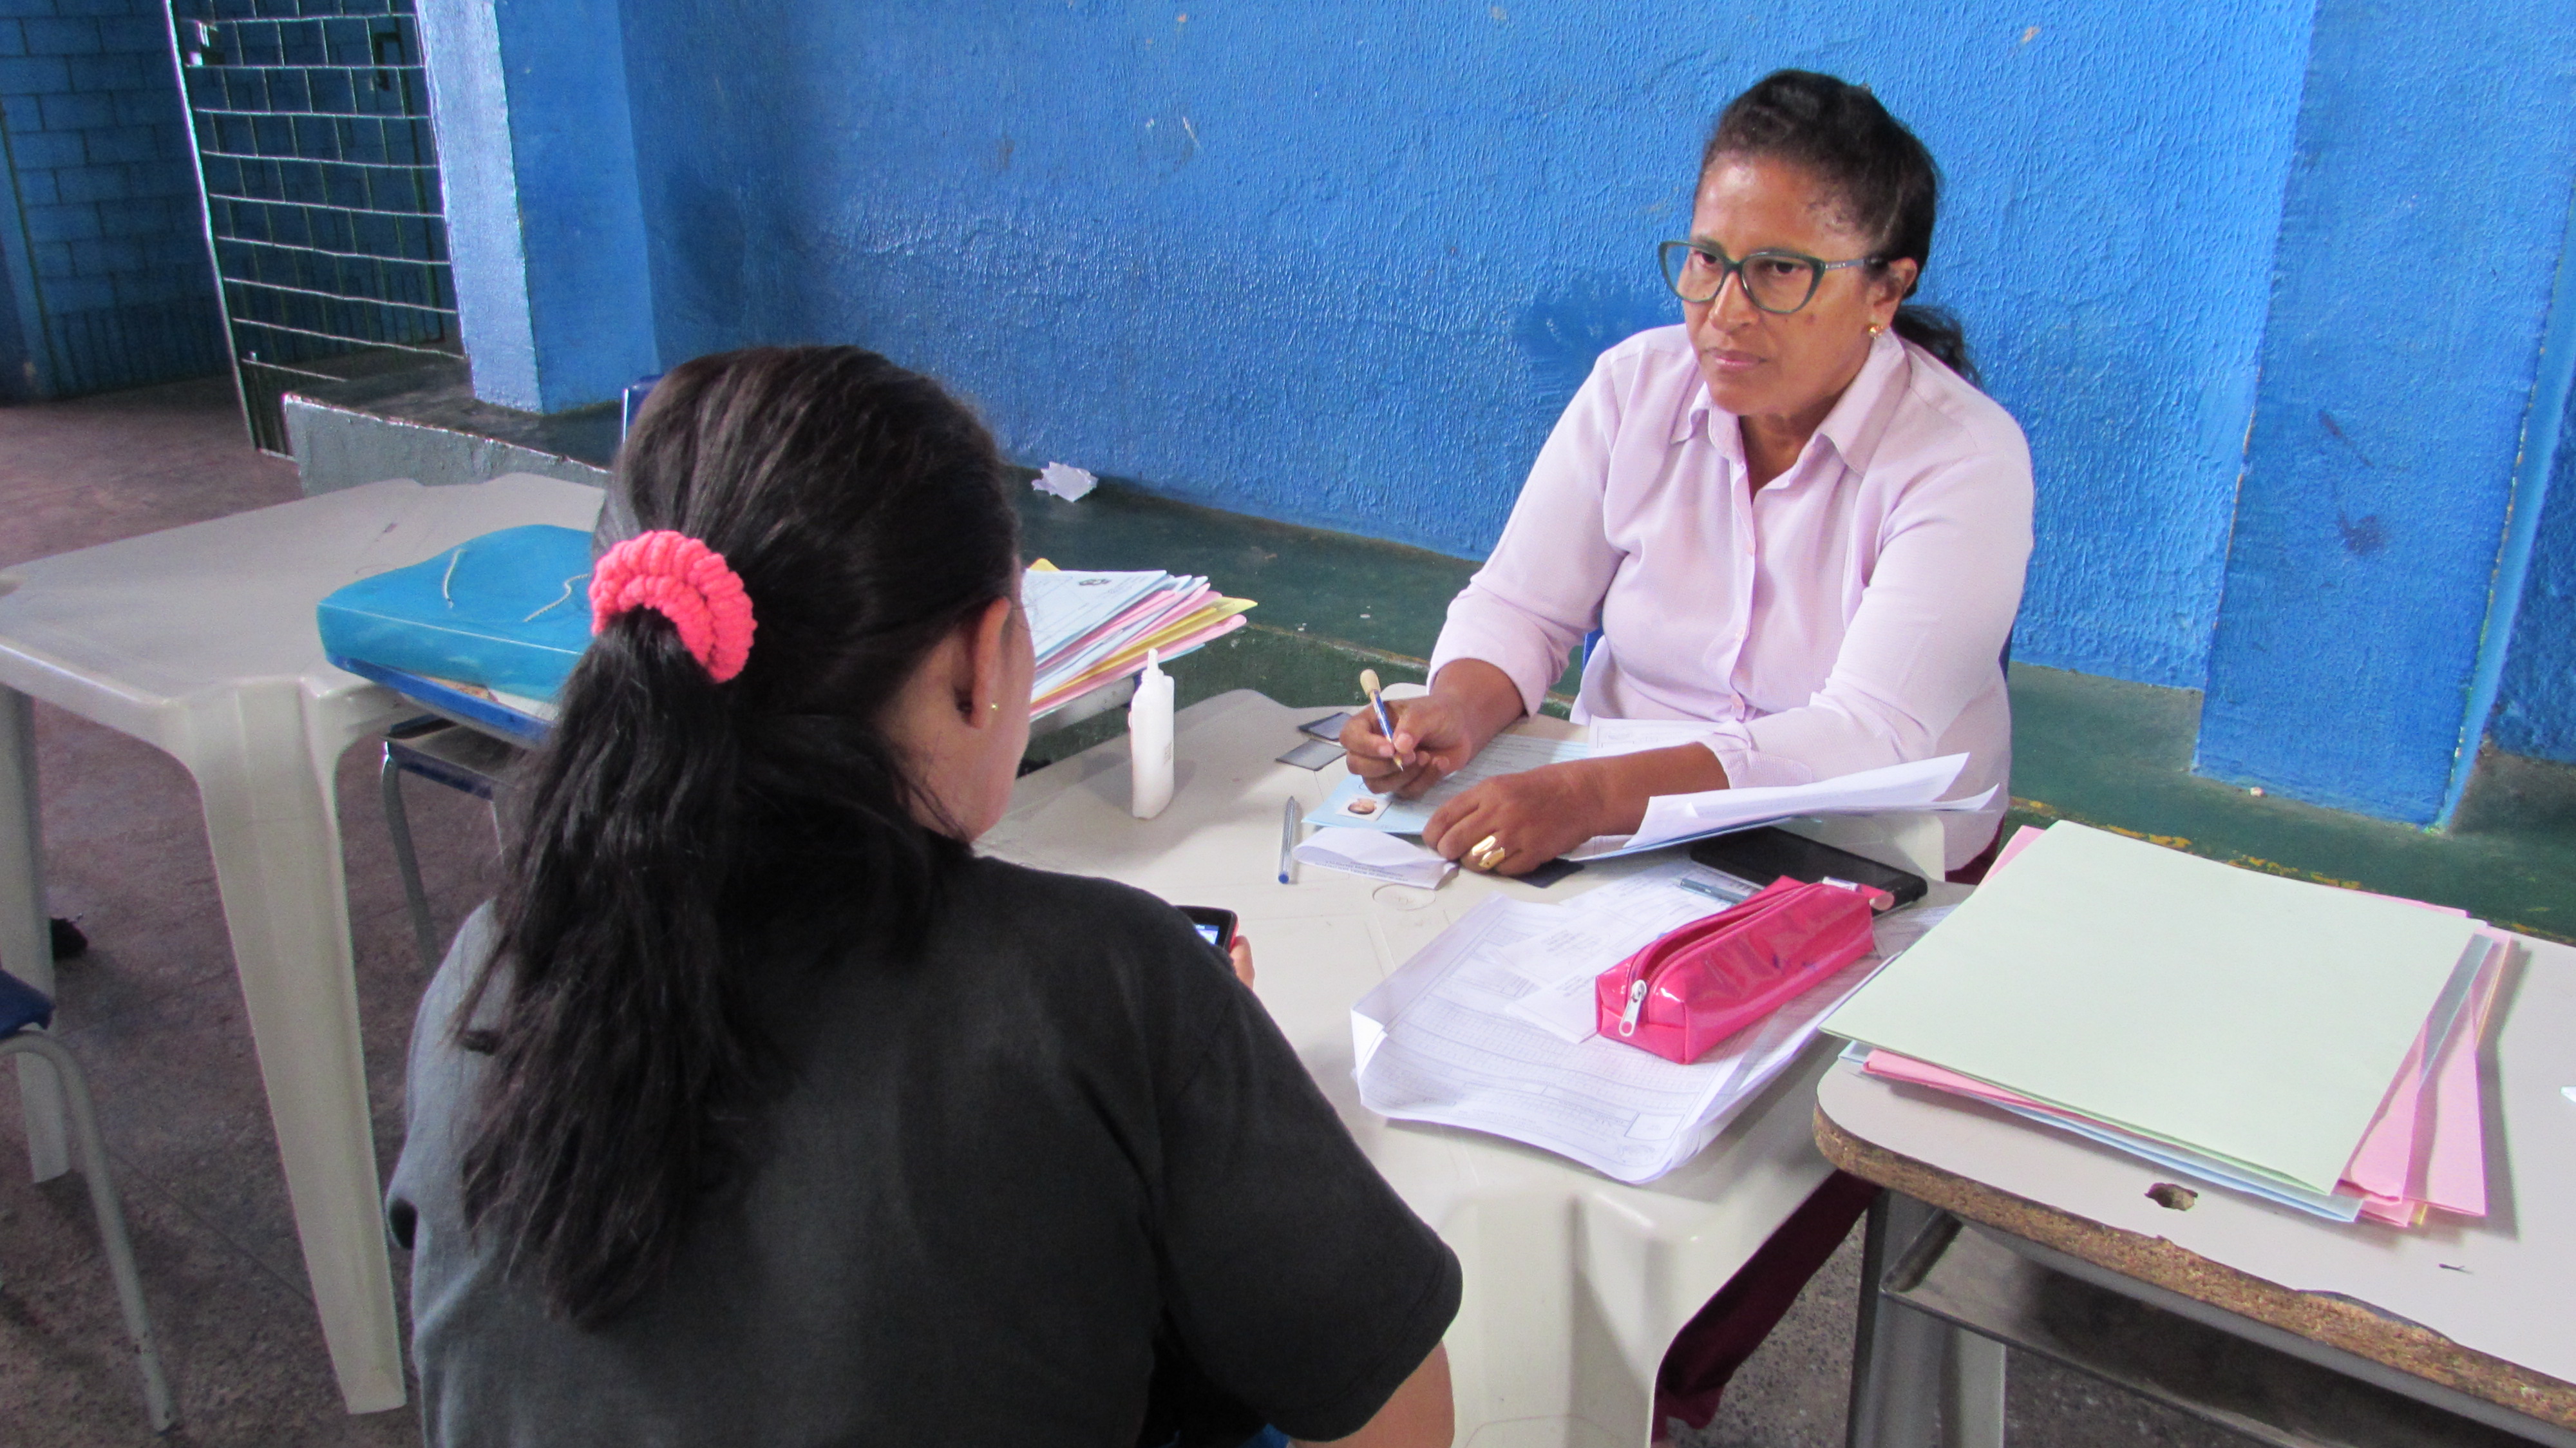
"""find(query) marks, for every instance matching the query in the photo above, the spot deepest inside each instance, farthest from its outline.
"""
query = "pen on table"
(1288, 822)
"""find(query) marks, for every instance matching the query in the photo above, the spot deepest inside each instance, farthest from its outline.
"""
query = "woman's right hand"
(1431, 741)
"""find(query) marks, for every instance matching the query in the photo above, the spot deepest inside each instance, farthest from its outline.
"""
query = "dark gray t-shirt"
(1060, 1157)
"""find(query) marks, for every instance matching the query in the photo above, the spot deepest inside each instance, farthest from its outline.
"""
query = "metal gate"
(320, 176)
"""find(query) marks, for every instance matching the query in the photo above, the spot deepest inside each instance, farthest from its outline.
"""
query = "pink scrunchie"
(686, 582)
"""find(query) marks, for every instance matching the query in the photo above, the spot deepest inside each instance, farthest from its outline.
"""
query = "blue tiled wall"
(102, 195)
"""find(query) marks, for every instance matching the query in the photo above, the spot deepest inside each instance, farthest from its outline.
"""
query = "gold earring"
(1875, 329)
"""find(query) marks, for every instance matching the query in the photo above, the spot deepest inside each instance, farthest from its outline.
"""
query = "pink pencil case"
(1693, 988)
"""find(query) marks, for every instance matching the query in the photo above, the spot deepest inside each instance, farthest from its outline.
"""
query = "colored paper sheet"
(1158, 610)
(2242, 1016)
(2409, 1125)
(2405, 1130)
(2339, 1206)
(1222, 617)
(2022, 839)
(2393, 1152)
(2455, 1173)
(1093, 629)
(1354, 806)
(1063, 605)
(2425, 1148)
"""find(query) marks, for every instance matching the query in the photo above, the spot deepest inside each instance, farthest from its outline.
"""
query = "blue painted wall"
(1342, 263)
(102, 247)
(2266, 286)
(2536, 712)
(2420, 241)
(545, 235)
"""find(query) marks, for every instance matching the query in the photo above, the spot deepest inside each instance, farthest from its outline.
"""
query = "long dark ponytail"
(1890, 188)
(674, 830)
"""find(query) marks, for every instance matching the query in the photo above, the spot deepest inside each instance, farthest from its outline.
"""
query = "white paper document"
(1438, 1041)
(1376, 855)
(1604, 927)
(1674, 818)
(1353, 805)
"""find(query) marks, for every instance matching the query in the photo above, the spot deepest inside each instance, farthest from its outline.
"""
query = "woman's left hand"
(1532, 817)
(1536, 815)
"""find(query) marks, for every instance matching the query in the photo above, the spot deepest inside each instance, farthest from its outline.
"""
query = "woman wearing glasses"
(1793, 517)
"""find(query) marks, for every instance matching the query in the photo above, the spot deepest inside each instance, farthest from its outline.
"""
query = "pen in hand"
(1377, 701)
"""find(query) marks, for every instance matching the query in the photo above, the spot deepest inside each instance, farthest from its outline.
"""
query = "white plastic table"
(200, 641)
(1575, 1284)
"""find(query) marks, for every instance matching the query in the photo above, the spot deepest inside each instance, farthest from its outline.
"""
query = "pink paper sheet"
(1166, 601)
(2424, 1148)
(2456, 1178)
(2020, 841)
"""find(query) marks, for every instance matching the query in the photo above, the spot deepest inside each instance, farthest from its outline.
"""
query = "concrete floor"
(154, 1013)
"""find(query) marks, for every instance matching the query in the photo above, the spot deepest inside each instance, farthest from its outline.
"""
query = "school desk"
(2261, 1318)
(200, 641)
(1575, 1283)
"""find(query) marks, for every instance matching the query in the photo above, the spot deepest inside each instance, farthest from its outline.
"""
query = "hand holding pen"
(1405, 746)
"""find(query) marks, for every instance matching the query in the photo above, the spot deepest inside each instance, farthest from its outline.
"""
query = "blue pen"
(1289, 820)
(1377, 701)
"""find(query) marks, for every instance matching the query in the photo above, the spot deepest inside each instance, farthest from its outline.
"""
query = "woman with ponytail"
(758, 1109)
(1793, 520)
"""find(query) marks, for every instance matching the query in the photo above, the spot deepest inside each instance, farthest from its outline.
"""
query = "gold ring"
(1488, 853)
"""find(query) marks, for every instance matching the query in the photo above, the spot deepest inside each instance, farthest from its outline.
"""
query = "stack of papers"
(2310, 1046)
(1476, 1030)
(1670, 819)
(1092, 629)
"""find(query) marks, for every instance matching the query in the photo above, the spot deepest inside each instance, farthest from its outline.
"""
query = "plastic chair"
(24, 1013)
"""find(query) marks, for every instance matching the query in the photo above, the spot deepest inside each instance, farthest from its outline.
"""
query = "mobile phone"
(1215, 926)
(1761, 856)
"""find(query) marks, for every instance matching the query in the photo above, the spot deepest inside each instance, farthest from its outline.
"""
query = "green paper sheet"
(2239, 1014)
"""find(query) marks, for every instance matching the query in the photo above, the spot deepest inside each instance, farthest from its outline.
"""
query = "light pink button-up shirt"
(1849, 615)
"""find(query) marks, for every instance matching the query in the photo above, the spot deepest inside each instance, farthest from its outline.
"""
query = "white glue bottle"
(1149, 740)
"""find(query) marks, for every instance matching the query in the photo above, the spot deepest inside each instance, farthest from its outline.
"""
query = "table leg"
(26, 945)
(1896, 1351)
(1972, 1392)
(271, 821)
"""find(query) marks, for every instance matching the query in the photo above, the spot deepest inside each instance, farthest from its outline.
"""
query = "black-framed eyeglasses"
(1779, 282)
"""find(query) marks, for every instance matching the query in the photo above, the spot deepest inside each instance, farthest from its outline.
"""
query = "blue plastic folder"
(509, 611)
